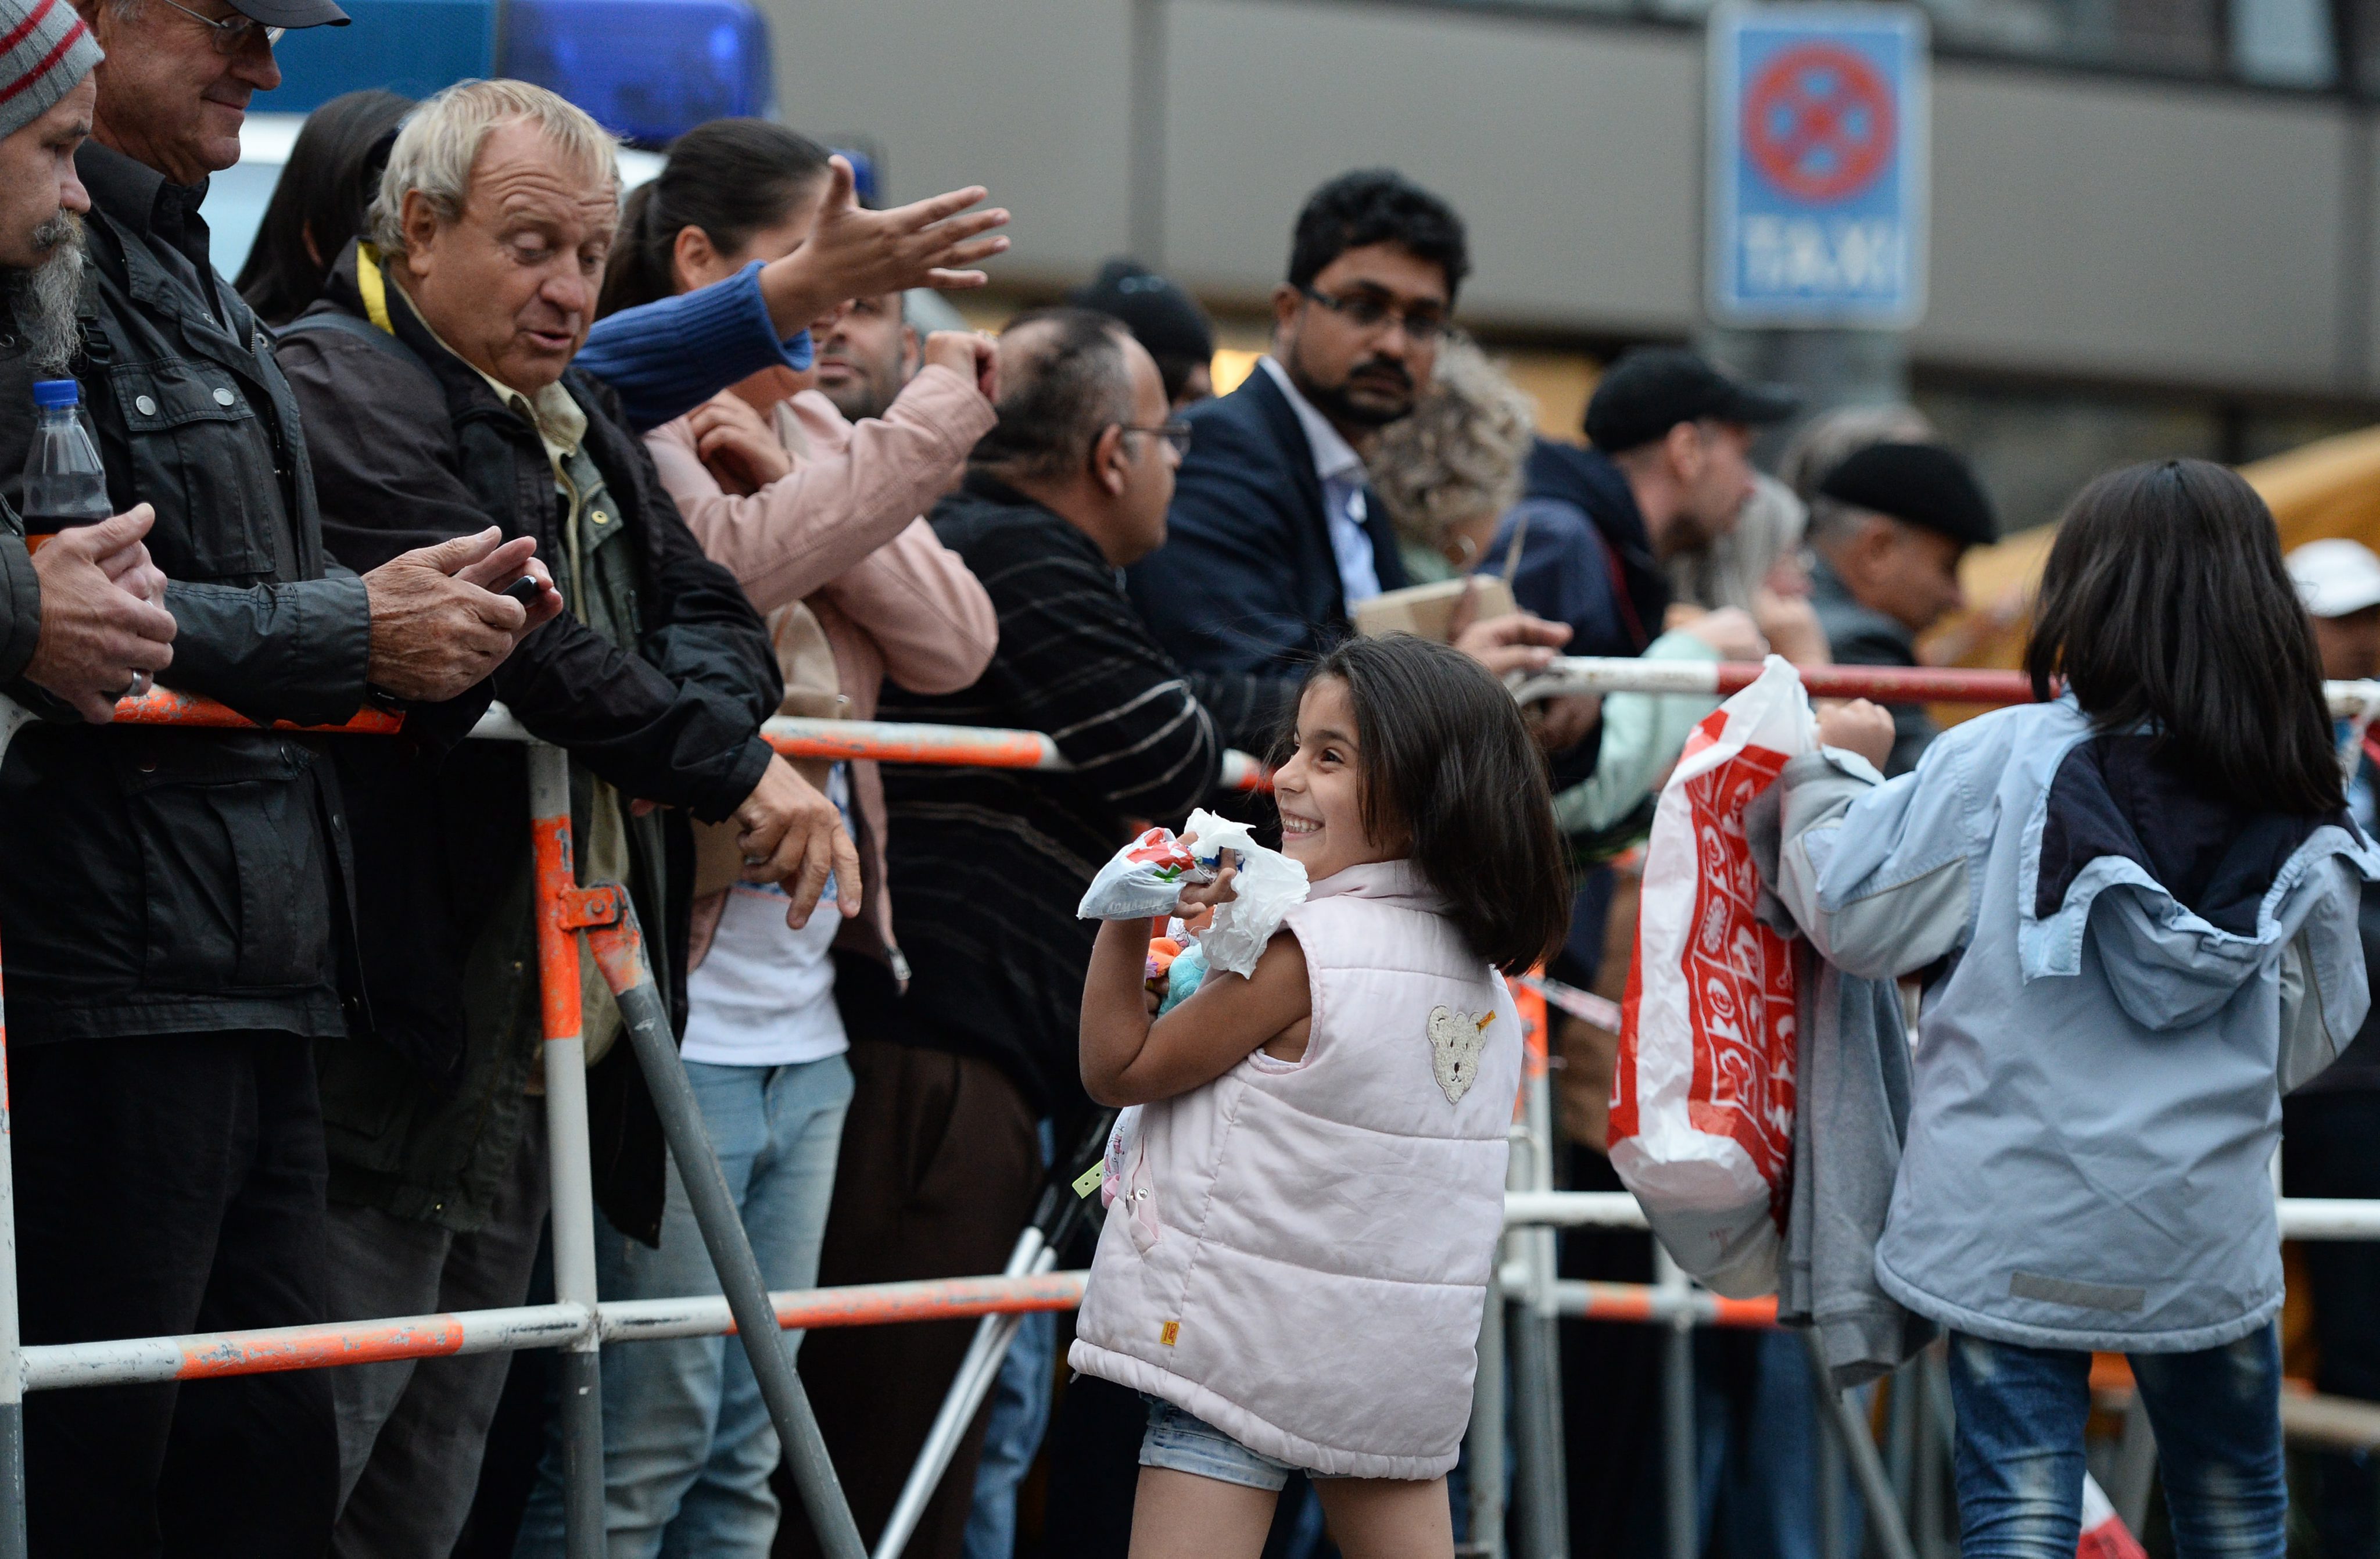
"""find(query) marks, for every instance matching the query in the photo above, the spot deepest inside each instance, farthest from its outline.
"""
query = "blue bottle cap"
(57, 392)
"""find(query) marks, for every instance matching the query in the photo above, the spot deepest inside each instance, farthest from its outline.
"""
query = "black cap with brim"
(291, 13)
(1921, 484)
(1161, 316)
(1652, 389)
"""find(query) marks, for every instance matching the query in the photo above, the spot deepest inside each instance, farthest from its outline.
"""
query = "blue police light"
(409, 47)
(863, 172)
(646, 69)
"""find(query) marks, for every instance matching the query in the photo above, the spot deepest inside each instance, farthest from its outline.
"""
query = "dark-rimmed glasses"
(232, 32)
(1367, 310)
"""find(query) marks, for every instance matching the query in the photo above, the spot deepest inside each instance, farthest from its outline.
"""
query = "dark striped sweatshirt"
(987, 866)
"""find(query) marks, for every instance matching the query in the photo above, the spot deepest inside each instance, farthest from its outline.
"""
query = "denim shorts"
(1185, 1442)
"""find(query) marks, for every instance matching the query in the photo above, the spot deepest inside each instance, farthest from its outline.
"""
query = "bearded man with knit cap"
(79, 620)
(177, 903)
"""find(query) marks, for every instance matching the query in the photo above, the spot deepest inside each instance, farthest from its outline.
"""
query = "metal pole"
(1487, 1437)
(1900, 1435)
(619, 948)
(12, 1363)
(1932, 1376)
(572, 1188)
(13, 718)
(1867, 1467)
(978, 1372)
(1533, 1338)
(1833, 1540)
(1679, 1485)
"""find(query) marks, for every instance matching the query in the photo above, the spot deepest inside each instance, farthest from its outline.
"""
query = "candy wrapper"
(1144, 880)
(1268, 886)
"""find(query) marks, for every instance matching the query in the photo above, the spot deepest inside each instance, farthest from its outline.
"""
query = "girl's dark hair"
(1446, 759)
(730, 177)
(329, 181)
(2165, 604)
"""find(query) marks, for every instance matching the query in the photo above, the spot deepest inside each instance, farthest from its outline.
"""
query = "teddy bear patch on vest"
(1456, 1041)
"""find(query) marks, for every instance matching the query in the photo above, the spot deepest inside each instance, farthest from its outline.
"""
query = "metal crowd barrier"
(1528, 1294)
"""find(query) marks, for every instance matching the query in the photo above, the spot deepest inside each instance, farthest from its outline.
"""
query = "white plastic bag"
(1143, 880)
(1268, 886)
(1702, 1098)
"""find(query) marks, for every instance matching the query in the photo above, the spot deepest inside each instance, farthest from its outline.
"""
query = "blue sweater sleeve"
(666, 358)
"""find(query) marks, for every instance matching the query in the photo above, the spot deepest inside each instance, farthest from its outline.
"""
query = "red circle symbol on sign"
(1818, 122)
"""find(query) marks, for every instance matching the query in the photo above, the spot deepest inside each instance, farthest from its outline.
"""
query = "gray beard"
(46, 300)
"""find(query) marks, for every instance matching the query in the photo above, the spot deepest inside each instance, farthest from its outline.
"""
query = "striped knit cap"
(45, 51)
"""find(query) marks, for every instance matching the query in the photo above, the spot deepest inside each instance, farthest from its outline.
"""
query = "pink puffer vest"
(1299, 1255)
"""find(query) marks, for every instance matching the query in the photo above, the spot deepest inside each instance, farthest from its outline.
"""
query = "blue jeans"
(1756, 1443)
(2217, 1418)
(687, 1446)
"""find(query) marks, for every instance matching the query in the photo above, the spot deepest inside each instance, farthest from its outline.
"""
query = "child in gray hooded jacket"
(2134, 910)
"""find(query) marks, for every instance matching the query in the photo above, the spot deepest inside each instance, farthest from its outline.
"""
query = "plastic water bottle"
(65, 484)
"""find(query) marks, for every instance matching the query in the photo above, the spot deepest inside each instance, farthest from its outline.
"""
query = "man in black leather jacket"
(176, 902)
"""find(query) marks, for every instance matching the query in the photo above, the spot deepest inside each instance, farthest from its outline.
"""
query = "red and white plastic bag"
(2104, 1536)
(1702, 1100)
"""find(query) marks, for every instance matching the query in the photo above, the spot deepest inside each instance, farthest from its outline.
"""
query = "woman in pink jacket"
(819, 519)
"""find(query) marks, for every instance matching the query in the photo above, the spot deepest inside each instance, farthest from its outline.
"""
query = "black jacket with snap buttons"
(166, 881)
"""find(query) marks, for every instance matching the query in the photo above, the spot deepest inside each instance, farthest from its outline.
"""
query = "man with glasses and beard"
(79, 619)
(1274, 533)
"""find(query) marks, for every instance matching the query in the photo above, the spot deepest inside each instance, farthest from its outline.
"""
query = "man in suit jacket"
(1274, 533)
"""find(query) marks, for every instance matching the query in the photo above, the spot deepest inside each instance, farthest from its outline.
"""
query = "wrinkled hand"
(1858, 727)
(101, 621)
(793, 834)
(1730, 632)
(969, 354)
(1562, 723)
(438, 623)
(737, 444)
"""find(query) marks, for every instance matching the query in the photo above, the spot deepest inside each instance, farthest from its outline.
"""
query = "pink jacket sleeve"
(800, 532)
(924, 609)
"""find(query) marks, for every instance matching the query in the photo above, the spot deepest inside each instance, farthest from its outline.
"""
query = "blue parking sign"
(1818, 132)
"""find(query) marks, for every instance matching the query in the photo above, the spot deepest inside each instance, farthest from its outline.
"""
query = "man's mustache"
(65, 227)
(1386, 368)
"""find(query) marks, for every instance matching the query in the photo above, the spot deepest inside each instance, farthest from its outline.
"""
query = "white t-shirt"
(764, 995)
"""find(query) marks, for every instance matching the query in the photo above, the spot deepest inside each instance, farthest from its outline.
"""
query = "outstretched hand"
(855, 252)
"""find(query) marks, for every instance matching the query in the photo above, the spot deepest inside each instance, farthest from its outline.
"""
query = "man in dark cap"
(1889, 526)
(1161, 317)
(1670, 470)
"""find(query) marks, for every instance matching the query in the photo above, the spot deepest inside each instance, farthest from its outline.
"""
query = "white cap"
(2336, 577)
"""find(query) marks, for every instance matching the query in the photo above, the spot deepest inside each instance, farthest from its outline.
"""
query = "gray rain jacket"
(2130, 976)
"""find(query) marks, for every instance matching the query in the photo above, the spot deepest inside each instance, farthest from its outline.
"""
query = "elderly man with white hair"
(435, 383)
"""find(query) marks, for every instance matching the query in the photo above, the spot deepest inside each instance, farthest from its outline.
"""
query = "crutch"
(610, 921)
(1055, 1218)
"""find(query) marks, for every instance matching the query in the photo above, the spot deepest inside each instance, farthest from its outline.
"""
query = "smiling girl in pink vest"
(1295, 1264)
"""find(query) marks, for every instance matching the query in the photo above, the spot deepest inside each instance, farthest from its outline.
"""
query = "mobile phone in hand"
(525, 589)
